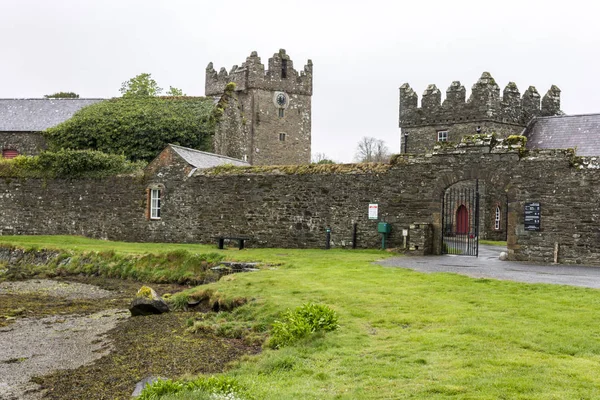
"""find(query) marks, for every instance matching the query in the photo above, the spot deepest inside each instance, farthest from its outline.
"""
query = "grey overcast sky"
(362, 50)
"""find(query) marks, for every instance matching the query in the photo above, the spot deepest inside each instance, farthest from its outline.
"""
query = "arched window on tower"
(497, 219)
(284, 68)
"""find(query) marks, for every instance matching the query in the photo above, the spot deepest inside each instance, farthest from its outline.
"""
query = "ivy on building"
(139, 128)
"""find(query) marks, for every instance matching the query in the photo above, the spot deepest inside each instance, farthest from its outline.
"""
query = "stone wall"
(422, 139)
(292, 206)
(29, 143)
(232, 137)
(295, 125)
(104, 209)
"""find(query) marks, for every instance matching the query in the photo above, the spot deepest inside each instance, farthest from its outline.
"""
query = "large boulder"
(147, 302)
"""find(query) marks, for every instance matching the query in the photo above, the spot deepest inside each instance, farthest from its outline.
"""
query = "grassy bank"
(404, 334)
(175, 266)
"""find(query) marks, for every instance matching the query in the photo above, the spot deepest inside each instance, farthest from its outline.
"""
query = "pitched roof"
(202, 159)
(34, 115)
(580, 132)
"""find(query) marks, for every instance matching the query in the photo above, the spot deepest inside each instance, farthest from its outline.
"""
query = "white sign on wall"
(373, 210)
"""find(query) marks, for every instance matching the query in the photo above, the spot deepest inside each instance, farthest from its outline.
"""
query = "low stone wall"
(292, 206)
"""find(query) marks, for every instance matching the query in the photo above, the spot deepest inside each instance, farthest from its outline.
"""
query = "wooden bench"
(240, 239)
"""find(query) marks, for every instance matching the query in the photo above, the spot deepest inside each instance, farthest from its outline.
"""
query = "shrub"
(219, 387)
(68, 164)
(302, 322)
(138, 127)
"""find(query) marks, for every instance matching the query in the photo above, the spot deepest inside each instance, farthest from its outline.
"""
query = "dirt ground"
(75, 339)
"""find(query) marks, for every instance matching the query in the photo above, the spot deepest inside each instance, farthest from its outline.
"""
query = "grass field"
(403, 334)
(493, 242)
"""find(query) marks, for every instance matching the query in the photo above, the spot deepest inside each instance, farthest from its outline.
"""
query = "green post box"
(384, 228)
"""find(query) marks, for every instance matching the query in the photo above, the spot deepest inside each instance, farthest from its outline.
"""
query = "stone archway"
(495, 188)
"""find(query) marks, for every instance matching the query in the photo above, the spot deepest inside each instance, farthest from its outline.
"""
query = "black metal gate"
(460, 219)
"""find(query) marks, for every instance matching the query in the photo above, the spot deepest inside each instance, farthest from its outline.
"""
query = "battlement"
(484, 104)
(280, 75)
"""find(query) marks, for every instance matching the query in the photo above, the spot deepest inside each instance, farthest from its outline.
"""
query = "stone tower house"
(268, 115)
(484, 112)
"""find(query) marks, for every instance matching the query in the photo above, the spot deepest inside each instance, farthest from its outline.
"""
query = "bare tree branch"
(370, 149)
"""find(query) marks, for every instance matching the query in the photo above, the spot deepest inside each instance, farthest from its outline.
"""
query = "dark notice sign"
(532, 216)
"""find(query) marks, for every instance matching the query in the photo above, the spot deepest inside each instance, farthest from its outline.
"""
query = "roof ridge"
(206, 152)
(568, 115)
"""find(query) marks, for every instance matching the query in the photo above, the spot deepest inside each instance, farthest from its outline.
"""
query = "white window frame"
(155, 196)
(497, 219)
(442, 136)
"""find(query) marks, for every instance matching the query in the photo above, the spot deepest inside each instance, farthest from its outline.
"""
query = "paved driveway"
(487, 265)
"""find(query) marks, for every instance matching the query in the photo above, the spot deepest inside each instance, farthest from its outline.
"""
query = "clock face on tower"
(280, 99)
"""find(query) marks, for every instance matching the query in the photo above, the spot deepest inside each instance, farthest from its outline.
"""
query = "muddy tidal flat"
(67, 340)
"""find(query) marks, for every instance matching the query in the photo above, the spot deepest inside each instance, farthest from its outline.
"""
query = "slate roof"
(580, 132)
(34, 115)
(202, 159)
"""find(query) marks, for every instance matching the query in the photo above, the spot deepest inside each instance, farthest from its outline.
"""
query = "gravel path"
(68, 290)
(487, 265)
(37, 346)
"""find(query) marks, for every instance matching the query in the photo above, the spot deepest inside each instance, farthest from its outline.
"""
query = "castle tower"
(267, 119)
(486, 111)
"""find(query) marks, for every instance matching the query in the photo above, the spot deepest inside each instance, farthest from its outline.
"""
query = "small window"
(9, 153)
(442, 136)
(155, 204)
(497, 219)
(281, 112)
(282, 137)
(284, 68)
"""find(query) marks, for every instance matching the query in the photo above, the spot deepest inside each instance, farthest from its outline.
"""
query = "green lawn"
(493, 242)
(405, 334)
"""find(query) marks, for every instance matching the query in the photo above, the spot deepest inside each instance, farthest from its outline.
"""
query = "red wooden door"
(462, 220)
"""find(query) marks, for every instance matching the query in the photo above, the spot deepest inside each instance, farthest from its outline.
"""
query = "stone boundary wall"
(282, 208)
(26, 143)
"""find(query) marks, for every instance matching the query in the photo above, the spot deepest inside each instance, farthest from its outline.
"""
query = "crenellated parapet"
(485, 104)
(280, 75)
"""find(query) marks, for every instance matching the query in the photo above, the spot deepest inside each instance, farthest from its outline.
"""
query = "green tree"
(141, 85)
(173, 91)
(62, 95)
(138, 127)
(321, 158)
